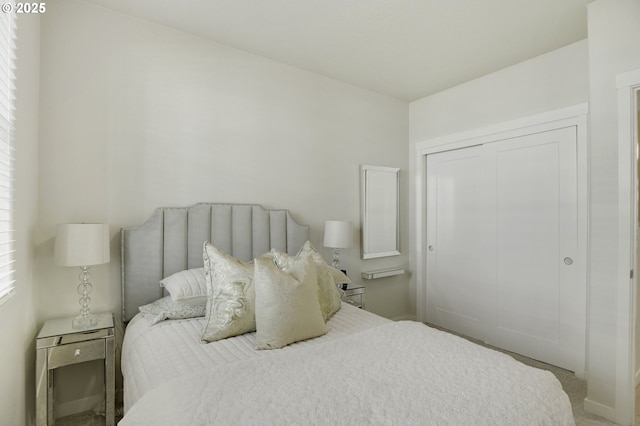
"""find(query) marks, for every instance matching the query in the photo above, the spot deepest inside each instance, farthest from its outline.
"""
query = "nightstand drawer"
(75, 353)
(355, 300)
(354, 295)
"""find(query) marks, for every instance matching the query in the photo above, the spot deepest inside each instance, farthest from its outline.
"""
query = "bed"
(362, 368)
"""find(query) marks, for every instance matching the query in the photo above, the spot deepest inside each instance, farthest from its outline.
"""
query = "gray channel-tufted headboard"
(171, 240)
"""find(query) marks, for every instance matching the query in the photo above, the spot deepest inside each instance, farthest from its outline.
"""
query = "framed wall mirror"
(379, 210)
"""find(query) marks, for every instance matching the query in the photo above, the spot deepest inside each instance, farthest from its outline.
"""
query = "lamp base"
(336, 258)
(84, 319)
(81, 322)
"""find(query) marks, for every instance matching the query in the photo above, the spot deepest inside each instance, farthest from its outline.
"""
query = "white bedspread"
(154, 354)
(402, 373)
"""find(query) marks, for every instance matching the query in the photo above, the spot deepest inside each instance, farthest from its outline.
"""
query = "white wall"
(135, 116)
(17, 316)
(551, 81)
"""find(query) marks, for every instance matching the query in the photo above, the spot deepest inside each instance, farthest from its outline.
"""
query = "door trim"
(574, 116)
(627, 85)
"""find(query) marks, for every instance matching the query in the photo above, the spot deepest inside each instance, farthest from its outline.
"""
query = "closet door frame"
(574, 116)
(627, 372)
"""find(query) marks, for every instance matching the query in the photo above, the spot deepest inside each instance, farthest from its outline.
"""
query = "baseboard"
(599, 409)
(405, 318)
(79, 405)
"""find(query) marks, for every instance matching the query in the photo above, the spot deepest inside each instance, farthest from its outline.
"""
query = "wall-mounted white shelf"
(382, 273)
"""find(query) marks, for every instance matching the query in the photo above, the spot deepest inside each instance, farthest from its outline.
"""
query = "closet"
(502, 255)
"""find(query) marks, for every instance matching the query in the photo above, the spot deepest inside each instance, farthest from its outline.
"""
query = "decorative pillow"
(189, 286)
(287, 308)
(231, 302)
(328, 293)
(337, 275)
(167, 308)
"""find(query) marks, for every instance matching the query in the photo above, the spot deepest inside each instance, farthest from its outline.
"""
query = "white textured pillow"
(328, 292)
(231, 302)
(287, 308)
(167, 308)
(188, 286)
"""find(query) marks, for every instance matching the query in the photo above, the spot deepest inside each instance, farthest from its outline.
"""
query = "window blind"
(7, 106)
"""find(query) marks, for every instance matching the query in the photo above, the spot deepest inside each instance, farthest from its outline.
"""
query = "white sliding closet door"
(532, 188)
(456, 290)
(520, 283)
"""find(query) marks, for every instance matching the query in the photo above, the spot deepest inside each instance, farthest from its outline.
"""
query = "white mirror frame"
(379, 210)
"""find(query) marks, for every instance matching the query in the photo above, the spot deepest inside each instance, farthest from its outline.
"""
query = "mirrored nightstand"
(354, 295)
(58, 345)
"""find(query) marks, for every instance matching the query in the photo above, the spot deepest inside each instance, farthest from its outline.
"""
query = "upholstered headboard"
(171, 240)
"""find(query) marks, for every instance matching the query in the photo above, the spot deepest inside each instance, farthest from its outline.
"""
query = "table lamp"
(83, 245)
(338, 234)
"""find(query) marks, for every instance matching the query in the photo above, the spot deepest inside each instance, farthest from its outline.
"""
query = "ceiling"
(407, 49)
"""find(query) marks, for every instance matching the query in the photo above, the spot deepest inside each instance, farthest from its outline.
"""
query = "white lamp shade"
(338, 234)
(82, 244)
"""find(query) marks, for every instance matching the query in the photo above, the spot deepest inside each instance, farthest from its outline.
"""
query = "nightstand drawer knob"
(77, 352)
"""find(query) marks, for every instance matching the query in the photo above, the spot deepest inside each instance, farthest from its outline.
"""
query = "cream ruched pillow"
(309, 250)
(287, 307)
(328, 277)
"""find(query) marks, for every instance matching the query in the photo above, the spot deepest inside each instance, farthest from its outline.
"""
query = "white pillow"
(231, 303)
(189, 286)
(167, 308)
(287, 307)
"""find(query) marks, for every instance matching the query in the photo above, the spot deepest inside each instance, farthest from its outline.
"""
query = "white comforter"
(402, 373)
(154, 354)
